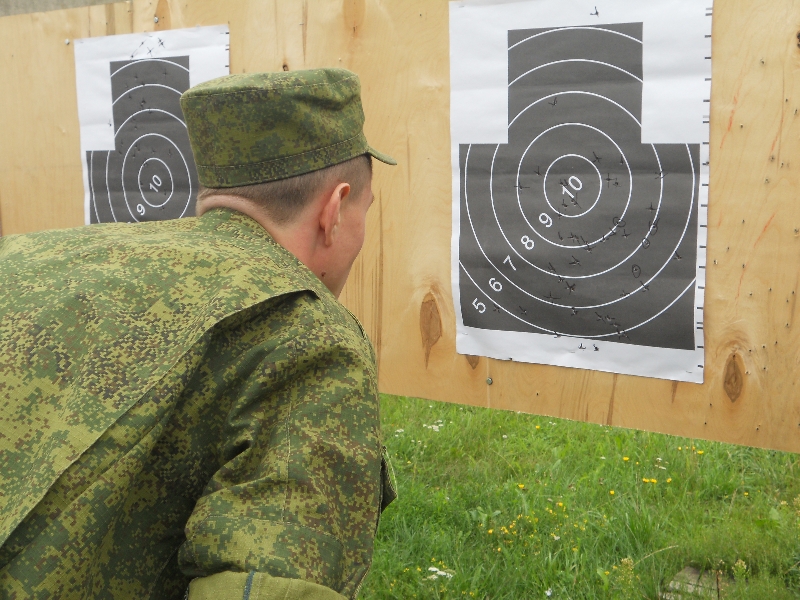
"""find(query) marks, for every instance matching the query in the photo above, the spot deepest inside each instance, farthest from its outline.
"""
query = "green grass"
(499, 505)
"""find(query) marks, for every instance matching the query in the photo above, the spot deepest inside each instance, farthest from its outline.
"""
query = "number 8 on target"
(527, 242)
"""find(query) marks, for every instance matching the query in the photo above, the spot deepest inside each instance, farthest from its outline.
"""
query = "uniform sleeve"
(292, 512)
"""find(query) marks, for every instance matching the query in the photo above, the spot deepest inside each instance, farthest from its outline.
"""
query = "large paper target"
(574, 228)
(150, 175)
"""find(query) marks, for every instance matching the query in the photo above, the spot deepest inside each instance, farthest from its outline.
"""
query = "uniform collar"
(237, 225)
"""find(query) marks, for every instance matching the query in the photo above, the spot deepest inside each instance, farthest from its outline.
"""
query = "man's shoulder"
(225, 251)
(312, 318)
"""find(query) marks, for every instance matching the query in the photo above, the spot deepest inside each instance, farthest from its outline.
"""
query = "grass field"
(498, 505)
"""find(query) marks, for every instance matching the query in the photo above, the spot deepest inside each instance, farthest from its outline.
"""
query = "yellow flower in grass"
(669, 479)
(521, 486)
(625, 458)
(700, 451)
(611, 492)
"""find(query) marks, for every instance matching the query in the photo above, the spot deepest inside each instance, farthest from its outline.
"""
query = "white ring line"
(142, 60)
(580, 92)
(640, 289)
(569, 60)
(460, 264)
(544, 186)
(588, 337)
(122, 172)
(519, 200)
(91, 185)
(658, 210)
(146, 85)
(524, 216)
(179, 120)
(480, 247)
(171, 179)
(557, 29)
(108, 189)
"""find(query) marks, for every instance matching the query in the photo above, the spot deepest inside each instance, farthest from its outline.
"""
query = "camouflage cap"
(258, 127)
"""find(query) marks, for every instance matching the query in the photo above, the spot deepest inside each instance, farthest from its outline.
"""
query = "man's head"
(288, 149)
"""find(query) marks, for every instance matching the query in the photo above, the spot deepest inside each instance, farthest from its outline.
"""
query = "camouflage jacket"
(181, 402)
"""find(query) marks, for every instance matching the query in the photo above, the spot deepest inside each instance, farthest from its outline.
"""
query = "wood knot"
(734, 380)
(430, 324)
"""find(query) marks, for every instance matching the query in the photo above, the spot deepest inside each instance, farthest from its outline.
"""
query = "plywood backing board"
(400, 286)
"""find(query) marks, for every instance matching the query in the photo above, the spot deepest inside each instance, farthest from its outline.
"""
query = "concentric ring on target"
(153, 181)
(140, 210)
(543, 300)
(573, 183)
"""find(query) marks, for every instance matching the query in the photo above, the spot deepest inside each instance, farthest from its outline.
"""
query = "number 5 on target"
(479, 306)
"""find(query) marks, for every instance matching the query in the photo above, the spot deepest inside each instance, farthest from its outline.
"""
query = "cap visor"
(384, 158)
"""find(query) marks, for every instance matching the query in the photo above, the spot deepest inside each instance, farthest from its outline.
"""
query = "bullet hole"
(285, 67)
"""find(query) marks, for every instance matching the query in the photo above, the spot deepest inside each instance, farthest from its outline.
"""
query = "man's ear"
(331, 214)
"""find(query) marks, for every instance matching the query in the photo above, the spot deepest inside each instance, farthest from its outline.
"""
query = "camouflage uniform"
(181, 401)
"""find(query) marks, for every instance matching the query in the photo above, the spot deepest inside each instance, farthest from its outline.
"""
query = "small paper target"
(150, 175)
(574, 227)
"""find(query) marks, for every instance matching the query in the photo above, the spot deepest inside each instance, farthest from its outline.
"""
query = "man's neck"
(294, 237)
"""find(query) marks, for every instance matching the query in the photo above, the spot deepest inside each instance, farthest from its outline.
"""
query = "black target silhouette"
(573, 228)
(150, 175)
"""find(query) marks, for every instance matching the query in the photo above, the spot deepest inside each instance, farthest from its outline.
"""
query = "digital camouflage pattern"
(258, 127)
(181, 400)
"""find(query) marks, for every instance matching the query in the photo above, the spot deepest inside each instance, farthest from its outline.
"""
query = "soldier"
(186, 410)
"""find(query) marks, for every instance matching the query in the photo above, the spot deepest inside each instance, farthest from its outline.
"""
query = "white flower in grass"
(549, 592)
(399, 430)
(438, 573)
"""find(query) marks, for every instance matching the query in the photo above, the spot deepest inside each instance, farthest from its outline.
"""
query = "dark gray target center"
(155, 182)
(572, 185)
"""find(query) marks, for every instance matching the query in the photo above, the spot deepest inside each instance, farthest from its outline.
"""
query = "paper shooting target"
(150, 175)
(574, 227)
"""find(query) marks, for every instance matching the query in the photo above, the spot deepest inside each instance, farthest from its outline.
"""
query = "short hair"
(284, 199)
